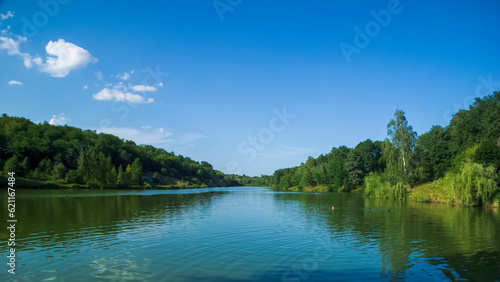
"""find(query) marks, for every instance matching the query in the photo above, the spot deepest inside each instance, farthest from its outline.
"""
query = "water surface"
(246, 234)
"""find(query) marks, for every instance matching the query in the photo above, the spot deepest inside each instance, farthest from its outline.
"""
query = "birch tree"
(399, 149)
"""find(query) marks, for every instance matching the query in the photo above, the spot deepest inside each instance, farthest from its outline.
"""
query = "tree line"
(66, 155)
(461, 160)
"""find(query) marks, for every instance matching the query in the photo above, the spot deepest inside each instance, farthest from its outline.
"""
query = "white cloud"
(6, 16)
(159, 137)
(149, 127)
(58, 119)
(119, 95)
(155, 136)
(125, 75)
(12, 47)
(120, 85)
(85, 87)
(99, 75)
(142, 88)
(15, 82)
(63, 57)
(140, 136)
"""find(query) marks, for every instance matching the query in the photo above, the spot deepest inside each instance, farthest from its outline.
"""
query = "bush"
(377, 185)
(473, 185)
(398, 191)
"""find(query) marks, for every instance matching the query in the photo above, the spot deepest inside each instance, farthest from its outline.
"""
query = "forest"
(458, 164)
(44, 155)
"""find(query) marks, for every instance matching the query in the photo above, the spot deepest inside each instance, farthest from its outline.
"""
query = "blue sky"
(249, 86)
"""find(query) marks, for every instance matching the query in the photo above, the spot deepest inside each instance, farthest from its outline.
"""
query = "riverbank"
(435, 192)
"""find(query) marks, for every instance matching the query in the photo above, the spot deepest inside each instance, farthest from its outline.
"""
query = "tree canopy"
(467, 152)
(65, 154)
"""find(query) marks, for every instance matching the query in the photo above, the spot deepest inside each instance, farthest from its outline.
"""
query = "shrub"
(473, 185)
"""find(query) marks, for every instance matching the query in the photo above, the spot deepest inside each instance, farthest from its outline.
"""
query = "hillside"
(48, 155)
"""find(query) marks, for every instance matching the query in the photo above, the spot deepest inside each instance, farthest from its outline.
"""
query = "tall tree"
(399, 150)
(136, 171)
(58, 172)
(354, 171)
(12, 165)
(433, 150)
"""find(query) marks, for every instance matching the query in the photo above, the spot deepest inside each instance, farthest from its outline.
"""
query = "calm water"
(246, 234)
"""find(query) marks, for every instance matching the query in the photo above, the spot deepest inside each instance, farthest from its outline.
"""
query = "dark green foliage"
(73, 177)
(481, 121)
(156, 178)
(435, 156)
(59, 171)
(112, 177)
(89, 158)
(464, 156)
(353, 168)
(123, 179)
(343, 169)
(136, 172)
(488, 153)
(12, 165)
(25, 167)
(45, 168)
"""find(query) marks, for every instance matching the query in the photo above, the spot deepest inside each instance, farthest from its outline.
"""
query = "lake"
(245, 234)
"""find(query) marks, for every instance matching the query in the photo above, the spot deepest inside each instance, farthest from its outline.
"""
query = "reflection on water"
(246, 234)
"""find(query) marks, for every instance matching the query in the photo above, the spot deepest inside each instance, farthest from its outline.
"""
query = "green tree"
(123, 178)
(433, 151)
(25, 166)
(156, 178)
(84, 168)
(473, 185)
(73, 176)
(58, 172)
(399, 150)
(480, 121)
(112, 177)
(354, 172)
(45, 167)
(12, 165)
(306, 179)
(136, 172)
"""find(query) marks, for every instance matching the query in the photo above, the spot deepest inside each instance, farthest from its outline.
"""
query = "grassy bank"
(436, 192)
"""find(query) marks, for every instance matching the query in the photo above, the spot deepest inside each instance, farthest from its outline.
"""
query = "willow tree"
(399, 150)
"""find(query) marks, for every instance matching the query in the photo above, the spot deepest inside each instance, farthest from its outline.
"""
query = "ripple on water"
(255, 235)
